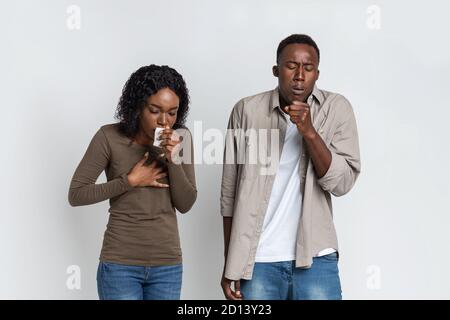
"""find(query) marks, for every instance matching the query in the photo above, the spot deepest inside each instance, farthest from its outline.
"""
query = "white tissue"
(156, 141)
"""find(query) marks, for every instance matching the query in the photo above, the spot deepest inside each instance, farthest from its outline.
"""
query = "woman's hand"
(146, 176)
(170, 143)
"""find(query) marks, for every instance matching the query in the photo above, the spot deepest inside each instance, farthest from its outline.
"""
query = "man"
(279, 237)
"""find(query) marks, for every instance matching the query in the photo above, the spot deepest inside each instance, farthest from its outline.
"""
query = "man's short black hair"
(300, 39)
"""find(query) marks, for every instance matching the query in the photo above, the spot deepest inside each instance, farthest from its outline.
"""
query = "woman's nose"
(162, 119)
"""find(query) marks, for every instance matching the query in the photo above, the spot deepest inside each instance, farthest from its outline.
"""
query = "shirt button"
(321, 131)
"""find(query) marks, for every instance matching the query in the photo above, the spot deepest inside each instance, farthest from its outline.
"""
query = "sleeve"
(230, 165)
(183, 189)
(83, 190)
(345, 162)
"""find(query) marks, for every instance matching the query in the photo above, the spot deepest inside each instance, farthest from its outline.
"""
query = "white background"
(58, 86)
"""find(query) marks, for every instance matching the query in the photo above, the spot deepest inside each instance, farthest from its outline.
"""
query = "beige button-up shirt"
(246, 190)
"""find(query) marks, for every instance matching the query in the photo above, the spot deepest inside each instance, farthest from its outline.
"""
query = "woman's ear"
(275, 71)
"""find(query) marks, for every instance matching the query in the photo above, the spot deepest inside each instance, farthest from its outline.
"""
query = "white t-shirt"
(279, 231)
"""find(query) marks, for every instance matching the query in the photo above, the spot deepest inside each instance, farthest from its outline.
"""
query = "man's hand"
(229, 293)
(300, 114)
(146, 176)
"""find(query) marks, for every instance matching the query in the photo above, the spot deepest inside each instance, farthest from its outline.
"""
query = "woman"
(141, 254)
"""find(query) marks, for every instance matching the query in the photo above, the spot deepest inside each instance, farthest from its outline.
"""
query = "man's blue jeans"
(123, 282)
(282, 281)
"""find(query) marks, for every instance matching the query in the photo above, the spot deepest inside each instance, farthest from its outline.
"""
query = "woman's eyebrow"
(159, 107)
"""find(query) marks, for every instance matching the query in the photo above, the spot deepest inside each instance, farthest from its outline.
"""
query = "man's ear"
(275, 71)
(318, 73)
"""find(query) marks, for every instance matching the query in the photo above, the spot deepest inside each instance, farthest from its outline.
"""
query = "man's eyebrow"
(296, 62)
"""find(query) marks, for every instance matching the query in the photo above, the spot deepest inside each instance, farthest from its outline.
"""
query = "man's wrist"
(310, 135)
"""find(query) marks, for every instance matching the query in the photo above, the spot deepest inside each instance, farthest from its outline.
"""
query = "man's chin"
(291, 97)
(297, 97)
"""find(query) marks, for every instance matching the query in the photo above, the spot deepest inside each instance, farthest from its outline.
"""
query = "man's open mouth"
(298, 91)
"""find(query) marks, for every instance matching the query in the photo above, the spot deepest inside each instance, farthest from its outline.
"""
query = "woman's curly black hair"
(143, 83)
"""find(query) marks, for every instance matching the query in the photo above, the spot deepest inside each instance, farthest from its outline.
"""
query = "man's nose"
(299, 74)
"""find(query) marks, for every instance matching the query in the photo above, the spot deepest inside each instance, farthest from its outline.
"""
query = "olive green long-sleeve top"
(142, 228)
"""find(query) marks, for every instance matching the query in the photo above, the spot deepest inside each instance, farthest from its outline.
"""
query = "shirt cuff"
(336, 170)
(124, 182)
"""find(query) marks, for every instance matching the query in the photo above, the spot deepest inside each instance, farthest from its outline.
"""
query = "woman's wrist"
(131, 180)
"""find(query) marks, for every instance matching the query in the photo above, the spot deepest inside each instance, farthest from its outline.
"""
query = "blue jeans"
(124, 282)
(282, 281)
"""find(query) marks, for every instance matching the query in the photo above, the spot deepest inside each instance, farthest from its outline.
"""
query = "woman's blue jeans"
(124, 282)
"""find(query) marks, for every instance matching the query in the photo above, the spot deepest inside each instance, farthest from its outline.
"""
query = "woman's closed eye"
(153, 110)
